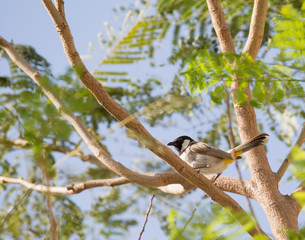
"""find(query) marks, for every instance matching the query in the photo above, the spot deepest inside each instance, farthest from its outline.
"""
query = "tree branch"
(221, 28)
(59, 4)
(283, 168)
(169, 182)
(257, 25)
(146, 218)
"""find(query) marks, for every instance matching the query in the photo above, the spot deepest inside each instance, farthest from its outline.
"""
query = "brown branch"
(221, 28)
(282, 214)
(59, 4)
(146, 218)
(71, 189)
(169, 182)
(256, 30)
(245, 114)
(234, 185)
(279, 209)
(283, 168)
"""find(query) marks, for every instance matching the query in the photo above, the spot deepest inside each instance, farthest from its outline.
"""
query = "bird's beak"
(170, 144)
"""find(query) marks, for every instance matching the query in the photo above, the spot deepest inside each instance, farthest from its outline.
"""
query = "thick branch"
(288, 159)
(257, 25)
(59, 4)
(221, 28)
(234, 185)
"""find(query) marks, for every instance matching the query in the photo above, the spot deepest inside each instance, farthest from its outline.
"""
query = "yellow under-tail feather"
(229, 161)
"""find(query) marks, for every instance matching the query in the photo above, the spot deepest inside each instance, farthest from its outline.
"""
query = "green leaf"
(218, 95)
(300, 197)
(277, 92)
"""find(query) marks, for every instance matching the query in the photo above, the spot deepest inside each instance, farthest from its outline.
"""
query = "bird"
(211, 160)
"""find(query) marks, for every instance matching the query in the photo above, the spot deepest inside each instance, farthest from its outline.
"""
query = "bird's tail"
(260, 139)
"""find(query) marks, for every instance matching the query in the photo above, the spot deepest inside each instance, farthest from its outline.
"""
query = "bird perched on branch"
(211, 160)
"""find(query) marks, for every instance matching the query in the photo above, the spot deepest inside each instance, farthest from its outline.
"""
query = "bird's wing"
(205, 149)
(198, 165)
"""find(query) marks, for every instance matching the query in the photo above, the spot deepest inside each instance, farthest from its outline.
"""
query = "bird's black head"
(181, 143)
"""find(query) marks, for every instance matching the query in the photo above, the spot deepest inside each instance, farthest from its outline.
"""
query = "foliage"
(289, 37)
(215, 223)
(211, 72)
(107, 211)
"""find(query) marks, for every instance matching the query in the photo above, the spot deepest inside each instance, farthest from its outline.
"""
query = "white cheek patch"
(185, 143)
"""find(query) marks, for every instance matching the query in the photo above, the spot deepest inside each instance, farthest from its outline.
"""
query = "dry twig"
(146, 218)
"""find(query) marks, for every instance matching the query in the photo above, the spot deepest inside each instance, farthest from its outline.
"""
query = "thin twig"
(300, 188)
(232, 144)
(283, 168)
(185, 225)
(49, 205)
(146, 218)
(16, 205)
